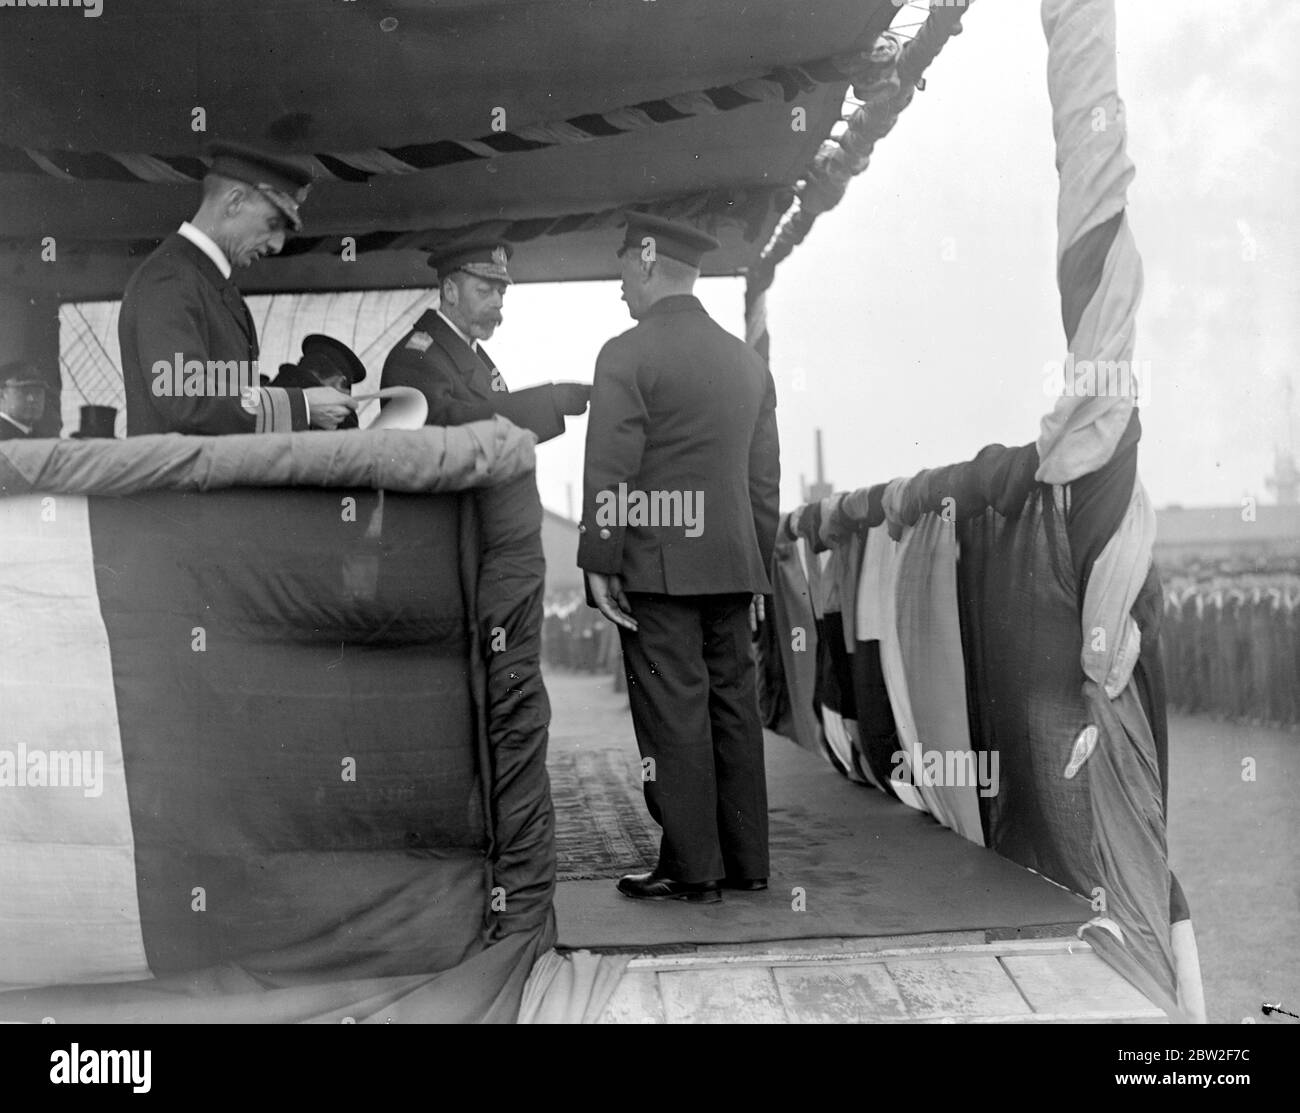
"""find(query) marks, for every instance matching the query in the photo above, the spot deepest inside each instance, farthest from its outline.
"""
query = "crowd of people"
(577, 637)
(1232, 649)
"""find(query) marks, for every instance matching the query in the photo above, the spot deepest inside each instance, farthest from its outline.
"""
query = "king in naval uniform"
(443, 355)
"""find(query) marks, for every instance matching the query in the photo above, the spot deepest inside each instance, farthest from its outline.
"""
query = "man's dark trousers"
(692, 688)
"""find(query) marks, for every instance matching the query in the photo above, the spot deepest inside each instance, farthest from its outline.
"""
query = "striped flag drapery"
(294, 730)
(1051, 615)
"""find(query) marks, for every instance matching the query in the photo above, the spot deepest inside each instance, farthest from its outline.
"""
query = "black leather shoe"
(650, 886)
(745, 884)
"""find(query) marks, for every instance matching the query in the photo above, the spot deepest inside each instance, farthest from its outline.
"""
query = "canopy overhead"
(536, 120)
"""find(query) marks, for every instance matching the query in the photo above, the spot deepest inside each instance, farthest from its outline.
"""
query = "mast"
(1285, 480)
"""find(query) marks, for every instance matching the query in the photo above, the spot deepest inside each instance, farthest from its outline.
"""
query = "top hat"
(97, 421)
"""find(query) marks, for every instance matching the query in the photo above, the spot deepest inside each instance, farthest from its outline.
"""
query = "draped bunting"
(966, 655)
(299, 731)
(885, 83)
(885, 80)
(780, 85)
(1041, 557)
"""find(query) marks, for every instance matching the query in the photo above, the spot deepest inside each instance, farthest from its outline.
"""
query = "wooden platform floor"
(847, 860)
(902, 921)
(855, 981)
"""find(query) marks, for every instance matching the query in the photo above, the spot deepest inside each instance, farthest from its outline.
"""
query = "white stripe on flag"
(876, 620)
(1080, 433)
(841, 737)
(68, 905)
(929, 638)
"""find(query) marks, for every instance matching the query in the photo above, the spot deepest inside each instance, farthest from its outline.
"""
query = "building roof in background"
(1265, 540)
(560, 545)
(1179, 526)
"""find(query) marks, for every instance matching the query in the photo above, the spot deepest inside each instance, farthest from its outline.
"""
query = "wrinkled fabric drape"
(322, 714)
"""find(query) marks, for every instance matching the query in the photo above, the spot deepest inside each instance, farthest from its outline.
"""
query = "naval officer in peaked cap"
(443, 356)
(181, 309)
(679, 518)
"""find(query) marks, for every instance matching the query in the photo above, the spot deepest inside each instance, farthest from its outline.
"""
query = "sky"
(913, 325)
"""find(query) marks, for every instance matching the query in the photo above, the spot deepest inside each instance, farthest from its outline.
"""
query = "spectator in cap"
(22, 400)
(325, 362)
(443, 357)
(182, 311)
(681, 409)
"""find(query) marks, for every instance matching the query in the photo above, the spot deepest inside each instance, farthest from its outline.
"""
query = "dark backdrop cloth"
(1104, 827)
(1149, 679)
(235, 754)
(515, 710)
(773, 696)
(1000, 480)
(877, 732)
(1022, 645)
(834, 692)
(794, 633)
(1022, 572)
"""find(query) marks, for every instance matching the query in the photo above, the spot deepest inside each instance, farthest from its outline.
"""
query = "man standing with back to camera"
(683, 420)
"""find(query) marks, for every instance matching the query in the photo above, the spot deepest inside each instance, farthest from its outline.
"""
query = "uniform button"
(582, 528)
(604, 535)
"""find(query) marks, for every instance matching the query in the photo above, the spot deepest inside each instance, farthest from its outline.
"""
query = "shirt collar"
(675, 303)
(208, 246)
(27, 429)
(473, 344)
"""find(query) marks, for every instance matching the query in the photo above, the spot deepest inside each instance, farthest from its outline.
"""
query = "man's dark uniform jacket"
(462, 384)
(680, 405)
(178, 301)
